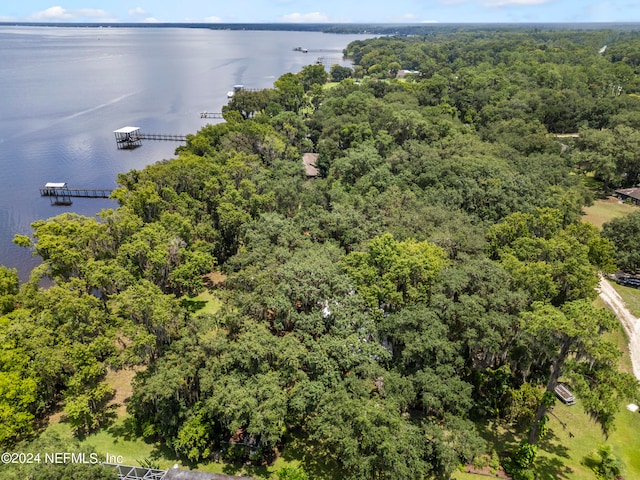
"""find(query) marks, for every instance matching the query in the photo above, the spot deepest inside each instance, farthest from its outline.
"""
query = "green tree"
(289, 472)
(369, 438)
(390, 274)
(248, 103)
(158, 314)
(572, 332)
(66, 241)
(624, 234)
(9, 283)
(194, 439)
(90, 469)
(596, 152)
(18, 395)
(86, 412)
(339, 73)
(290, 91)
(605, 464)
(550, 262)
(311, 75)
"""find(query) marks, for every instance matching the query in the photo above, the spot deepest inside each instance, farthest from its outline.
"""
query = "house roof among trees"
(629, 192)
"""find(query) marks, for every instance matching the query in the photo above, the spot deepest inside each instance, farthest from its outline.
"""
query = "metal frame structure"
(128, 138)
(58, 192)
(126, 472)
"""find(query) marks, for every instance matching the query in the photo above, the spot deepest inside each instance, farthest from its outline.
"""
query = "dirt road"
(630, 323)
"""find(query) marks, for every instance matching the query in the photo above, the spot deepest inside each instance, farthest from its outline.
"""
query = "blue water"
(64, 90)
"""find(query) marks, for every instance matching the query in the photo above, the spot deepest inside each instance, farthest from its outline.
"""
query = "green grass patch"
(206, 302)
(564, 454)
(631, 297)
(620, 339)
(604, 210)
(118, 440)
(572, 436)
(466, 476)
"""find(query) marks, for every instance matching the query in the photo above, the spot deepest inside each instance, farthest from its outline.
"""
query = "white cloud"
(313, 17)
(137, 12)
(91, 13)
(213, 20)
(52, 13)
(59, 13)
(407, 17)
(151, 20)
(506, 3)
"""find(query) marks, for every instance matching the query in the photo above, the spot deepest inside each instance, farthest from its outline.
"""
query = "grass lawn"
(116, 441)
(561, 454)
(206, 302)
(572, 436)
(631, 297)
(604, 210)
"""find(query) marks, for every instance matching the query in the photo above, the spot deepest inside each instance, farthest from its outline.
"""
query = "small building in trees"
(310, 164)
(631, 194)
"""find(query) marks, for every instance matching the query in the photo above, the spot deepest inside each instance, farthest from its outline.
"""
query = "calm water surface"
(64, 91)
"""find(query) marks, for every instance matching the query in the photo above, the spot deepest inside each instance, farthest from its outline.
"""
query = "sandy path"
(630, 323)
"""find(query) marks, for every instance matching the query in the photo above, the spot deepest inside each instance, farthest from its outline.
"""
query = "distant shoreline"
(350, 28)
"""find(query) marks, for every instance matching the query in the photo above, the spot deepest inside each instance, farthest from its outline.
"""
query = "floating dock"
(61, 194)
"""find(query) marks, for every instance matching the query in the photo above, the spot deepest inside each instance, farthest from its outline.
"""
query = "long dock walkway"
(60, 194)
(76, 192)
(162, 136)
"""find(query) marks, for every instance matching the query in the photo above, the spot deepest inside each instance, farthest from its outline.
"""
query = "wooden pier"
(241, 88)
(211, 115)
(60, 194)
(163, 136)
(329, 61)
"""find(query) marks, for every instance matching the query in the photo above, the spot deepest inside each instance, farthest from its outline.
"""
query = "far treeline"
(433, 276)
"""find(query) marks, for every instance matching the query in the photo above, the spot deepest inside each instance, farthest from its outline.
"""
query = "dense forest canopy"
(435, 272)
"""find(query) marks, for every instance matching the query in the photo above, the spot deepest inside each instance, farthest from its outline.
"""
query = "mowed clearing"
(603, 211)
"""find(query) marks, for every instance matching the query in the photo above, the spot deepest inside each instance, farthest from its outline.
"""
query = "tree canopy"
(435, 272)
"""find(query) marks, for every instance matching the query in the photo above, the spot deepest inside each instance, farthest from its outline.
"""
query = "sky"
(321, 11)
